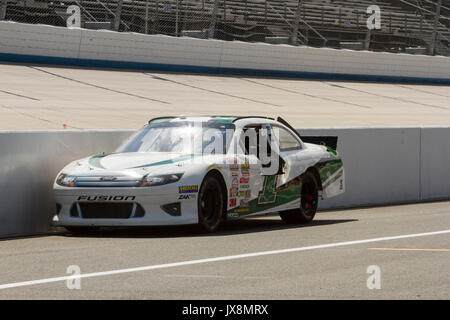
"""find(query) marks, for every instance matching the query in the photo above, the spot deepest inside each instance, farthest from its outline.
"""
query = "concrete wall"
(29, 162)
(391, 165)
(82, 47)
(382, 165)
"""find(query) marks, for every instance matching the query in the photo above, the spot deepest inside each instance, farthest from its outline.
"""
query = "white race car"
(189, 170)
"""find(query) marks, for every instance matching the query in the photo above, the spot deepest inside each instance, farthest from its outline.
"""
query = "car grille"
(104, 181)
(106, 210)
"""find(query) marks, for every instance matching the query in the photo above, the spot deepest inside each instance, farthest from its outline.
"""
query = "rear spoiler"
(329, 141)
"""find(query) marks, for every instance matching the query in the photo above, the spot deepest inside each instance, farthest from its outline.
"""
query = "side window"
(250, 139)
(286, 140)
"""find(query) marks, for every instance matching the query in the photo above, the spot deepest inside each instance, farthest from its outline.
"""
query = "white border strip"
(233, 257)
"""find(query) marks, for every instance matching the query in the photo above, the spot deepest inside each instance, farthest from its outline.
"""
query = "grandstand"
(405, 24)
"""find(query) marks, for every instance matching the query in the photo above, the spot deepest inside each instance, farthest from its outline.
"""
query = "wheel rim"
(309, 198)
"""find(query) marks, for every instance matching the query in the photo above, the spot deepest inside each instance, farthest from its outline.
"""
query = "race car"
(199, 170)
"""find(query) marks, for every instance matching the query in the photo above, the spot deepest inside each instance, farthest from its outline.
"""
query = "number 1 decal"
(268, 193)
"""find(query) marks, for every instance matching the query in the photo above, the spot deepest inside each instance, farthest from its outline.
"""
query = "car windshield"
(185, 137)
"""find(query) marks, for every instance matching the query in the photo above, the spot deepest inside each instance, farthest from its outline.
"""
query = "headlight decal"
(66, 180)
(158, 180)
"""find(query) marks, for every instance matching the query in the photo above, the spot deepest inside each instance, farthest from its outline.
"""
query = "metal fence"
(418, 26)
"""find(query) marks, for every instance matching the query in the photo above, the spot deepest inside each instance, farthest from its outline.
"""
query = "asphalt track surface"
(34, 97)
(180, 262)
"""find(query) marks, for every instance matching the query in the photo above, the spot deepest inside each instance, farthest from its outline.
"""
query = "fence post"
(176, 18)
(246, 12)
(3, 4)
(322, 15)
(294, 38)
(118, 15)
(224, 10)
(357, 19)
(367, 40)
(265, 12)
(435, 26)
(212, 27)
(405, 30)
(390, 22)
(156, 22)
(340, 16)
(146, 16)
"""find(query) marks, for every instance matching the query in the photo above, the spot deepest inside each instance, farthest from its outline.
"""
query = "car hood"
(123, 161)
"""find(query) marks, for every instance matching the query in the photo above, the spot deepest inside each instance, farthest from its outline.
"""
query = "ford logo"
(108, 178)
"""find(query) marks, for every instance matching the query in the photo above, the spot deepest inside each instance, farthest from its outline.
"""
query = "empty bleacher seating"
(322, 22)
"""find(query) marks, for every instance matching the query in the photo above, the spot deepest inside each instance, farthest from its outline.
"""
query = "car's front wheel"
(210, 204)
(309, 199)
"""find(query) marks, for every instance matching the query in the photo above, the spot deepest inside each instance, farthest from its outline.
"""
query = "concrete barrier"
(435, 163)
(382, 165)
(101, 48)
(29, 162)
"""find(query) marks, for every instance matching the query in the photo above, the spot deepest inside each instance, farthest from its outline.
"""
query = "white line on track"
(233, 257)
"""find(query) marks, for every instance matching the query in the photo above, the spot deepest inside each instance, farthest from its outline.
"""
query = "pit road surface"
(415, 267)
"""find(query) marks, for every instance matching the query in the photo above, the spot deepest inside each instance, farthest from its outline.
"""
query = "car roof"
(239, 121)
(219, 119)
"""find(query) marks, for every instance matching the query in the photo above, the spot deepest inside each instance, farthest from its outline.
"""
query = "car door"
(281, 191)
(271, 166)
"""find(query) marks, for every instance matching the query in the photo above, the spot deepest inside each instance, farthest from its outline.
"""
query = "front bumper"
(150, 200)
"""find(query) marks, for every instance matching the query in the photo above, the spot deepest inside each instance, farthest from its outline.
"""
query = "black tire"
(211, 204)
(82, 230)
(309, 199)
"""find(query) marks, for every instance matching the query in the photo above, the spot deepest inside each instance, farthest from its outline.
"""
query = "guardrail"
(93, 48)
(382, 166)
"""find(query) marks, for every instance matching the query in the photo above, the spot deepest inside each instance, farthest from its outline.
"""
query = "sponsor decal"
(233, 192)
(242, 210)
(106, 198)
(245, 173)
(233, 215)
(245, 165)
(243, 203)
(233, 163)
(235, 183)
(233, 202)
(244, 180)
(186, 196)
(188, 189)
(341, 185)
(234, 173)
(244, 193)
(244, 186)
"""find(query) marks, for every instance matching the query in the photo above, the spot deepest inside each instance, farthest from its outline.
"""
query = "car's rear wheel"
(82, 230)
(210, 204)
(309, 199)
